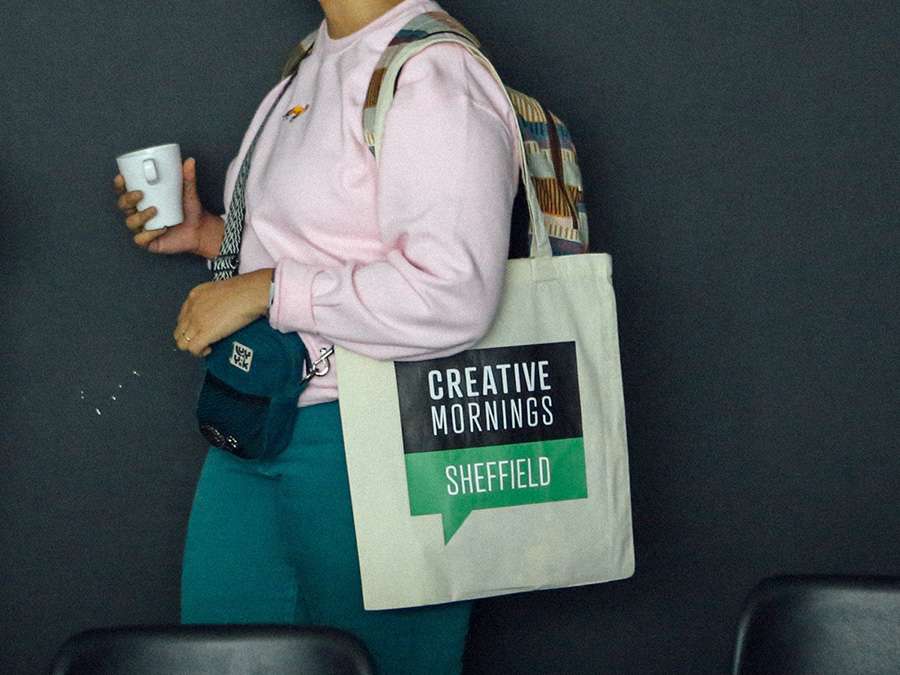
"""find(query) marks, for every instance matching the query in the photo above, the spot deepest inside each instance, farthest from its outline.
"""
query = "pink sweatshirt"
(400, 260)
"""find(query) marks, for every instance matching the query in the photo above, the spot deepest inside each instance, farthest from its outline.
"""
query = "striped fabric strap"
(549, 153)
(420, 32)
(555, 174)
(415, 35)
(225, 265)
(549, 158)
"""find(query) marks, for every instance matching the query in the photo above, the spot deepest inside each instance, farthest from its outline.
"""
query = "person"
(400, 259)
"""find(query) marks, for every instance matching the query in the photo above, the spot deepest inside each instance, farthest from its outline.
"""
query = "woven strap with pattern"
(226, 264)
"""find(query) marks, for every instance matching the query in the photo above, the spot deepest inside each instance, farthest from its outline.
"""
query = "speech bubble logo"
(453, 483)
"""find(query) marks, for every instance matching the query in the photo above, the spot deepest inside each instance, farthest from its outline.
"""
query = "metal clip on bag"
(248, 401)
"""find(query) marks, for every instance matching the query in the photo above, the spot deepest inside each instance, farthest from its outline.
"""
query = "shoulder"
(448, 70)
(444, 60)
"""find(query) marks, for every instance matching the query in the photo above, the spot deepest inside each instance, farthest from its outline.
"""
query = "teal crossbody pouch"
(248, 402)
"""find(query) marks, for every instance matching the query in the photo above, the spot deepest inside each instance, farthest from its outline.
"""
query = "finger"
(145, 237)
(119, 183)
(185, 310)
(194, 296)
(198, 345)
(189, 171)
(207, 352)
(136, 221)
(190, 340)
(129, 200)
(183, 338)
(178, 331)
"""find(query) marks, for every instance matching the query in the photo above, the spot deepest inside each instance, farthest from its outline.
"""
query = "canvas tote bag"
(502, 468)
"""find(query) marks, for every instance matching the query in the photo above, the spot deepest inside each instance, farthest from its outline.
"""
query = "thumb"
(189, 171)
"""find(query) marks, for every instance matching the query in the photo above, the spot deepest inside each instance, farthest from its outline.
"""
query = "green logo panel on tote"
(489, 428)
(456, 482)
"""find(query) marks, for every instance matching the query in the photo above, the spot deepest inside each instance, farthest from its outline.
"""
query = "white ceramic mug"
(156, 172)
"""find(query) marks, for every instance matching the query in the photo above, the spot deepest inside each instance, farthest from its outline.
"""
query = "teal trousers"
(273, 541)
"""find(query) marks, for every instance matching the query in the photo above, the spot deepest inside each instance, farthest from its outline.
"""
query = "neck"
(343, 17)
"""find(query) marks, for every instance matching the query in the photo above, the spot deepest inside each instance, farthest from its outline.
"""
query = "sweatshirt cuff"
(291, 310)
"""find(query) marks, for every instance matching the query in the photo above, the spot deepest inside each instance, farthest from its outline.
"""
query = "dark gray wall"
(744, 159)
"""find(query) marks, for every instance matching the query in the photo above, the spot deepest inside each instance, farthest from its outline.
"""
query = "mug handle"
(150, 171)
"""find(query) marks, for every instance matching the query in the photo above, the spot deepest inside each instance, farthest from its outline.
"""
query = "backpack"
(549, 150)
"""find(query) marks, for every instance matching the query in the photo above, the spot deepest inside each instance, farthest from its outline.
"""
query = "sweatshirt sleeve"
(447, 178)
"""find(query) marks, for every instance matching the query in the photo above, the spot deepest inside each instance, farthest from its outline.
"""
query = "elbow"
(471, 319)
(481, 325)
(454, 303)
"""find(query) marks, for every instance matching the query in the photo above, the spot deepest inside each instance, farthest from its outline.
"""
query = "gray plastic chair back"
(213, 650)
(820, 625)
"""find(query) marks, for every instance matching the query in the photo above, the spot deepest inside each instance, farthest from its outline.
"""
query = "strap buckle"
(312, 368)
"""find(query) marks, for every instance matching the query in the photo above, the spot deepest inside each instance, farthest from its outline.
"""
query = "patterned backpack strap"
(554, 188)
(299, 53)
(419, 32)
(555, 173)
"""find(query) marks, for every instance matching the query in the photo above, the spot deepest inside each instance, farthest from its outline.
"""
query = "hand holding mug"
(198, 231)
